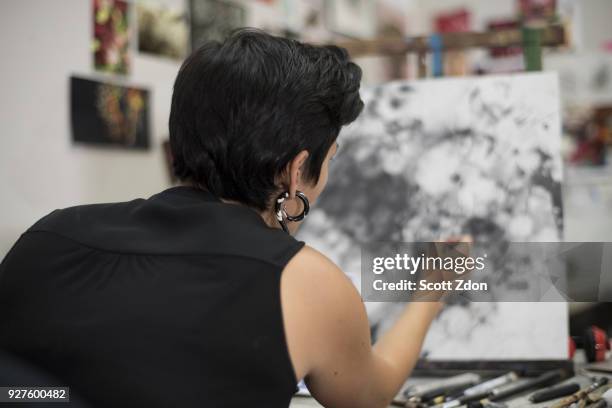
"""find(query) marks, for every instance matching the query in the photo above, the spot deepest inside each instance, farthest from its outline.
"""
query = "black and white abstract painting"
(431, 159)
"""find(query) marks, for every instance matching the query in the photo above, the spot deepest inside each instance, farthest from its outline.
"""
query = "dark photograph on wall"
(103, 113)
(214, 20)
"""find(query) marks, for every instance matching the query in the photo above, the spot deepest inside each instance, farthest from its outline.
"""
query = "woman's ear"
(295, 172)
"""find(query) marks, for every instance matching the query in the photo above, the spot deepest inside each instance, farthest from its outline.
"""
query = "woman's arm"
(403, 341)
(328, 336)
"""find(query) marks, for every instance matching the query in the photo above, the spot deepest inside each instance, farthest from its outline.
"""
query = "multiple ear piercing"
(281, 211)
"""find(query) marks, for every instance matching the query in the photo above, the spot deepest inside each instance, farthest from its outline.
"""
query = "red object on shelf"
(602, 344)
(572, 348)
(453, 22)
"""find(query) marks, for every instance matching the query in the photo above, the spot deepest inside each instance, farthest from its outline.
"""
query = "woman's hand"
(439, 279)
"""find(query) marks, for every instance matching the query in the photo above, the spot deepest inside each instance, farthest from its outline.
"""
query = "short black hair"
(243, 108)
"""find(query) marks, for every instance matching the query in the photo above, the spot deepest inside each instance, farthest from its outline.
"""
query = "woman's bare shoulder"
(320, 306)
(311, 269)
(310, 260)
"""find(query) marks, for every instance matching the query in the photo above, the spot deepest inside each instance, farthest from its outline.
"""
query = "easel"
(531, 39)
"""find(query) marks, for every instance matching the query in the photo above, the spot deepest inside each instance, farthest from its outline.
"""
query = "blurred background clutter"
(86, 84)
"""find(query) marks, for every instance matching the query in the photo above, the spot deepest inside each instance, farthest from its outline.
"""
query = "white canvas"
(437, 158)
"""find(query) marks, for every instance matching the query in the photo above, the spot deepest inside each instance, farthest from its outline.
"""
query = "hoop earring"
(281, 211)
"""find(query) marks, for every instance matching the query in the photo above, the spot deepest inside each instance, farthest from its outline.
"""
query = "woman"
(200, 295)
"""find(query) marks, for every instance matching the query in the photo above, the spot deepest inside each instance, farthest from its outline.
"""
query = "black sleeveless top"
(170, 301)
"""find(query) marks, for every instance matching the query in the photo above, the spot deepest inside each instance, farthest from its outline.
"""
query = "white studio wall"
(40, 168)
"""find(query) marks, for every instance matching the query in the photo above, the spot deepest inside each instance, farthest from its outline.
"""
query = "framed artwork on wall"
(162, 31)
(214, 20)
(103, 113)
(111, 36)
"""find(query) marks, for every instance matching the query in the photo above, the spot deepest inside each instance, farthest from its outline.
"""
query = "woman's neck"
(268, 216)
